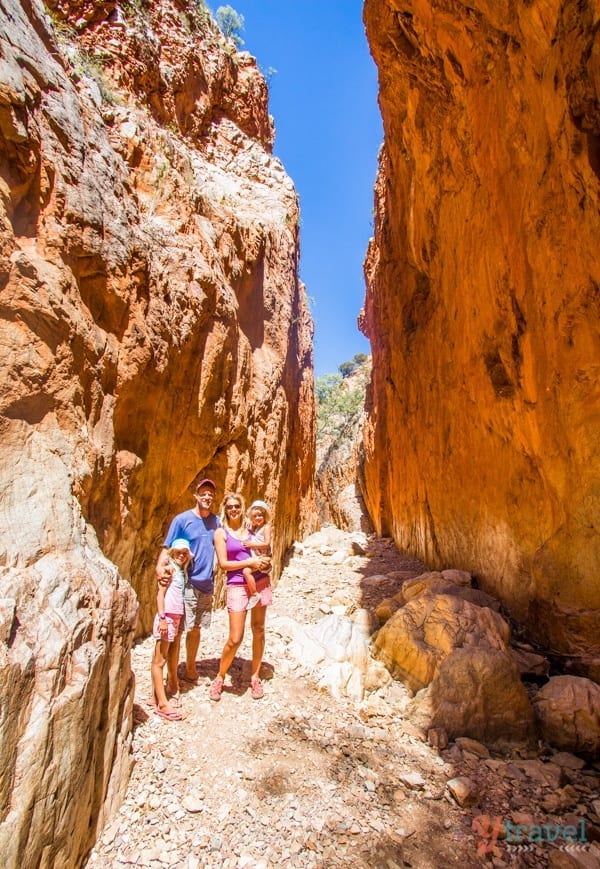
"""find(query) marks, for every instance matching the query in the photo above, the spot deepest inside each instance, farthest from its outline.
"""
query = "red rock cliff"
(483, 300)
(152, 329)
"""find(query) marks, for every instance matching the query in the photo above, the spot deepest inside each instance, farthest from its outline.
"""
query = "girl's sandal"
(169, 714)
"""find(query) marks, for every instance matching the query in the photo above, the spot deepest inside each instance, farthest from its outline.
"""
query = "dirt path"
(300, 778)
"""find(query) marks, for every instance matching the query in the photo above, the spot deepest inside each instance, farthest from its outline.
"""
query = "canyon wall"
(152, 330)
(483, 296)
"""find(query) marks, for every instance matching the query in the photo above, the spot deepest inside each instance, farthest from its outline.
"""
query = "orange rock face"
(483, 301)
(152, 329)
(152, 310)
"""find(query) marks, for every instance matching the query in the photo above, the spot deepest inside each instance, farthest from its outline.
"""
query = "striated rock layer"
(483, 300)
(152, 329)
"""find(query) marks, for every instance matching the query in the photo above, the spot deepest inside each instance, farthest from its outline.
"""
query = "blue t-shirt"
(200, 533)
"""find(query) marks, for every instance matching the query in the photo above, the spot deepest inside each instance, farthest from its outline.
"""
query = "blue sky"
(323, 98)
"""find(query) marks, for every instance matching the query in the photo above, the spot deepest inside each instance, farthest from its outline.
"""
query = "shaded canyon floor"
(305, 779)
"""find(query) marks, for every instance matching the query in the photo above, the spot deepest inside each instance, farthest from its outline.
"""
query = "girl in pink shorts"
(170, 610)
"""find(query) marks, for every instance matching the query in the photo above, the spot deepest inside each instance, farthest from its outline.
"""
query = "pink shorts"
(237, 595)
(172, 627)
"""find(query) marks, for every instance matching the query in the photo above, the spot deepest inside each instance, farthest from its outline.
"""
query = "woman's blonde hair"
(223, 512)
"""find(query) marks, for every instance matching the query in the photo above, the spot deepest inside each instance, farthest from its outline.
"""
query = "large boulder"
(456, 656)
(416, 639)
(478, 692)
(568, 712)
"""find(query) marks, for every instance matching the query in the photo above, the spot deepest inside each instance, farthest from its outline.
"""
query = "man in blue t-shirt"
(197, 526)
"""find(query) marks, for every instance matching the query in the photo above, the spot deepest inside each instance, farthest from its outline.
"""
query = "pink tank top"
(236, 551)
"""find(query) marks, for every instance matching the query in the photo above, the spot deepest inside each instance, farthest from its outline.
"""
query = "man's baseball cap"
(206, 482)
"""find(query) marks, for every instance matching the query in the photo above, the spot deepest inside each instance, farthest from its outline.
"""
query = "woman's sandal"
(216, 689)
(256, 689)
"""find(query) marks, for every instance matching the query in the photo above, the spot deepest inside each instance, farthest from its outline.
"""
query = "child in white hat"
(257, 517)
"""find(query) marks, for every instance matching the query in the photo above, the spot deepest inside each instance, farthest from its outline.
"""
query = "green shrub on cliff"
(230, 24)
(341, 397)
(347, 368)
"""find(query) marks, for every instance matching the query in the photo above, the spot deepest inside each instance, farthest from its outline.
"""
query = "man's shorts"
(198, 608)
(172, 627)
(237, 595)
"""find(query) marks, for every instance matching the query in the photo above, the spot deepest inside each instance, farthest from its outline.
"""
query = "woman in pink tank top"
(232, 545)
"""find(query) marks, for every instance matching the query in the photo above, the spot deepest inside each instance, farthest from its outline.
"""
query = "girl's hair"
(223, 514)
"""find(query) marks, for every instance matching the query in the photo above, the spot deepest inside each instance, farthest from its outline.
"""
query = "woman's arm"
(254, 563)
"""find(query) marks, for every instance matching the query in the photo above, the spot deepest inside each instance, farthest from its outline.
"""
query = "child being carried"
(260, 544)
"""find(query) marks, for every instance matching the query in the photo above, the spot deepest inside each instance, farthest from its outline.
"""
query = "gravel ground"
(304, 779)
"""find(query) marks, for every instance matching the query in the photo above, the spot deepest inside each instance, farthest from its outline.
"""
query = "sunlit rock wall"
(483, 301)
(152, 329)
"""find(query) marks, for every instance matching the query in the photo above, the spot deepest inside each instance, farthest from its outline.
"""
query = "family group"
(185, 572)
